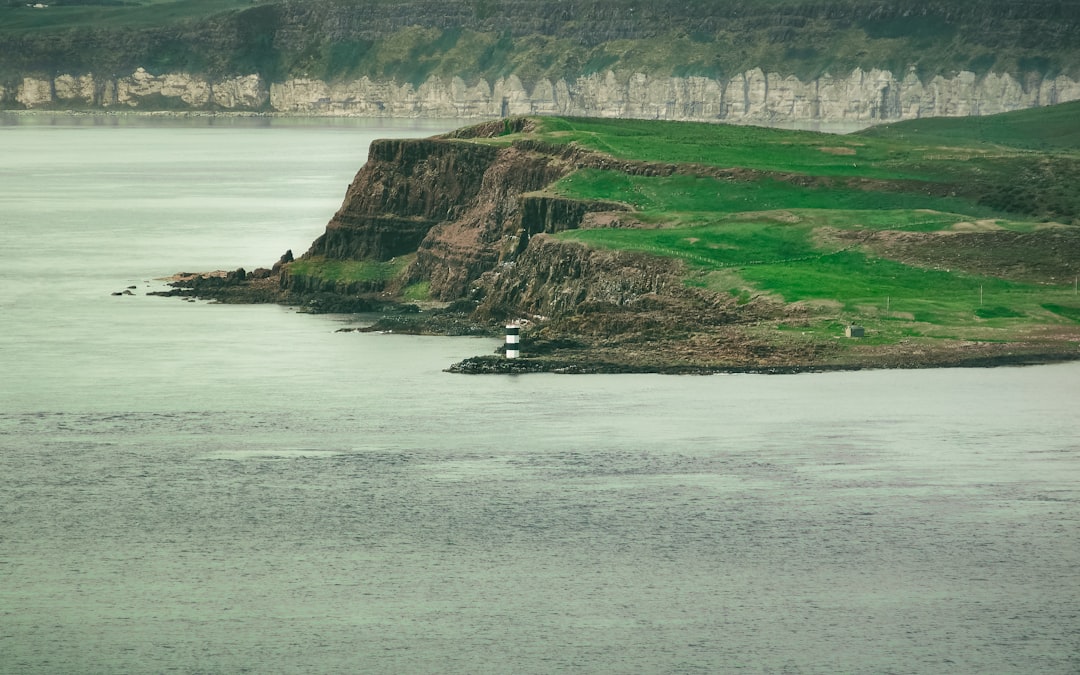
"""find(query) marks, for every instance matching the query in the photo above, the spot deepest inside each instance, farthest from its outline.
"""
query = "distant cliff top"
(411, 40)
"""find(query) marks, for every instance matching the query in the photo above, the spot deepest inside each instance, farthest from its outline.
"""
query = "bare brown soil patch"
(780, 216)
(837, 150)
(612, 219)
(977, 226)
(824, 306)
(1044, 256)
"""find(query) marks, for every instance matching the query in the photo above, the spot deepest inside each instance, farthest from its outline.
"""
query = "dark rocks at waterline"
(499, 365)
(495, 365)
(332, 303)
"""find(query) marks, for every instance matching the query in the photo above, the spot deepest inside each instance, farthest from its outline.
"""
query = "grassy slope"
(349, 271)
(20, 19)
(767, 235)
(1051, 129)
(412, 39)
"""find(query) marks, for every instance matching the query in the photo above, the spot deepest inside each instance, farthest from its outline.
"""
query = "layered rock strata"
(141, 90)
(857, 98)
(455, 204)
(405, 189)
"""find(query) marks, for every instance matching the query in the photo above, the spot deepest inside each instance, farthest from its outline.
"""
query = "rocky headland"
(459, 234)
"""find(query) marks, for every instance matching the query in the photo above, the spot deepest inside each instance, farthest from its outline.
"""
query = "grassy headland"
(938, 235)
(684, 247)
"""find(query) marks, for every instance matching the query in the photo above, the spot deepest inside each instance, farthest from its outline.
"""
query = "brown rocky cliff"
(554, 277)
(454, 202)
(404, 190)
(489, 231)
(564, 279)
(477, 217)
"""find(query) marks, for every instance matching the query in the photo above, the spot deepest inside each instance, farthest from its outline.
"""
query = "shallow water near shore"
(191, 487)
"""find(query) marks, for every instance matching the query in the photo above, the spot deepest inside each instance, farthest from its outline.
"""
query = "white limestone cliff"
(856, 98)
(33, 93)
(141, 84)
(74, 89)
(238, 93)
(247, 92)
(142, 90)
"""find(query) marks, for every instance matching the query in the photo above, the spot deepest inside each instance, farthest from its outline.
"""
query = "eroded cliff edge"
(456, 235)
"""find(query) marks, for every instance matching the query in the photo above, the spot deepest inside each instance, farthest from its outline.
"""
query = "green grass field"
(1042, 129)
(781, 260)
(766, 232)
(19, 18)
(349, 271)
(695, 196)
(959, 157)
(730, 146)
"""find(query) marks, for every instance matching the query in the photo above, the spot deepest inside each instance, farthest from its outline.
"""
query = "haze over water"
(201, 488)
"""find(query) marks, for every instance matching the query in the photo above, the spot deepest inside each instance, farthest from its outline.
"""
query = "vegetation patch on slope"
(409, 40)
(346, 272)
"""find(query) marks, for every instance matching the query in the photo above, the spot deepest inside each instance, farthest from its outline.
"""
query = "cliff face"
(477, 219)
(466, 209)
(405, 189)
(489, 230)
(553, 278)
(140, 90)
(457, 205)
(856, 98)
(848, 61)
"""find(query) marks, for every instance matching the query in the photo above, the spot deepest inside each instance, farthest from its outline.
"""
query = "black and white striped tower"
(513, 340)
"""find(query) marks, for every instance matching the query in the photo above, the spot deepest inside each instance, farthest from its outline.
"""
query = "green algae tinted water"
(195, 488)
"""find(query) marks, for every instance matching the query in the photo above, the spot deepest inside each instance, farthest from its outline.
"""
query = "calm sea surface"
(197, 488)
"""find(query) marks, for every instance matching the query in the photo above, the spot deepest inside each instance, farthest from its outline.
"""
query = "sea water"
(202, 488)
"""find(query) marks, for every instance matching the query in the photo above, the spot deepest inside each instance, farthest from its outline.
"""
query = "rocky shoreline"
(554, 349)
(497, 365)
